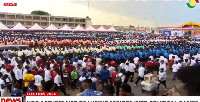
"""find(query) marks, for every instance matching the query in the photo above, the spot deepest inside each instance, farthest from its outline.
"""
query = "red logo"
(10, 4)
(11, 100)
(41, 93)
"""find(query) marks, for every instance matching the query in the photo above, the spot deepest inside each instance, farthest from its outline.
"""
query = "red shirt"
(39, 63)
(157, 64)
(48, 62)
(114, 74)
(148, 64)
(92, 67)
(56, 64)
(171, 62)
(53, 74)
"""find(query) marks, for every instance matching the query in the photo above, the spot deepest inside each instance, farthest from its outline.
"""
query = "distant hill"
(38, 12)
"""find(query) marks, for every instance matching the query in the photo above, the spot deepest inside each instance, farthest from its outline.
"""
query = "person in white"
(58, 83)
(47, 79)
(140, 74)
(19, 75)
(175, 69)
(163, 65)
(3, 86)
(38, 81)
(162, 78)
(136, 59)
(193, 62)
(111, 70)
(132, 67)
(3, 69)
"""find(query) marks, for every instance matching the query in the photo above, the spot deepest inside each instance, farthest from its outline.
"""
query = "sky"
(147, 13)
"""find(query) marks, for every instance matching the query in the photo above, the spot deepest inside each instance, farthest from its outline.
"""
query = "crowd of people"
(85, 64)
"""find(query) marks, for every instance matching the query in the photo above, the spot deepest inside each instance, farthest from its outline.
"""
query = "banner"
(111, 99)
(176, 33)
(166, 33)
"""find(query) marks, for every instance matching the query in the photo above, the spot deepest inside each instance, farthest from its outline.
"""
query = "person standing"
(104, 76)
(162, 78)
(29, 77)
(132, 67)
(58, 83)
(140, 74)
(48, 79)
(3, 86)
(38, 80)
(19, 75)
(74, 76)
(175, 69)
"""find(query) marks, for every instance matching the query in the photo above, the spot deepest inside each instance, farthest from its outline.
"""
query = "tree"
(39, 12)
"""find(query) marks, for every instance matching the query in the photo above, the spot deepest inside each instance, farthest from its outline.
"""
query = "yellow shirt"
(28, 77)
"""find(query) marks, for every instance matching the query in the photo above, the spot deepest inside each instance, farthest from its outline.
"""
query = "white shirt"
(57, 80)
(122, 76)
(132, 67)
(93, 79)
(162, 76)
(163, 66)
(47, 75)
(151, 57)
(18, 74)
(141, 72)
(98, 69)
(175, 68)
(136, 59)
(3, 71)
(25, 72)
(83, 65)
(9, 79)
(111, 69)
(75, 64)
(2, 83)
(82, 78)
(38, 80)
(193, 62)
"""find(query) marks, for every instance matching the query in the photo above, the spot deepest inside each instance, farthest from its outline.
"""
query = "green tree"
(39, 12)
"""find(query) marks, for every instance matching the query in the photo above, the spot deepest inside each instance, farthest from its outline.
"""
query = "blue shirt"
(61, 57)
(16, 93)
(105, 74)
(90, 92)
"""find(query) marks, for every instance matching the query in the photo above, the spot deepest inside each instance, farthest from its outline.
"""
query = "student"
(16, 92)
(162, 78)
(120, 77)
(58, 83)
(3, 86)
(125, 90)
(38, 80)
(48, 79)
(111, 70)
(19, 75)
(104, 76)
(193, 62)
(74, 76)
(29, 77)
(140, 74)
(175, 69)
(108, 90)
(86, 89)
(163, 65)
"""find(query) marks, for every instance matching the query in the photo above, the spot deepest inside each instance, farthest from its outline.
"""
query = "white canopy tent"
(36, 27)
(65, 27)
(90, 28)
(19, 26)
(3, 27)
(51, 27)
(101, 29)
(79, 28)
(112, 29)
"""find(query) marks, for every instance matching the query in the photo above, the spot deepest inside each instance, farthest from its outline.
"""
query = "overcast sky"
(119, 13)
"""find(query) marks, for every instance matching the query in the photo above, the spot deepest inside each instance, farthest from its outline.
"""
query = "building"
(28, 20)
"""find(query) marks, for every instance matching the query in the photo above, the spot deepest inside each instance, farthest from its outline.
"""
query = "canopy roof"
(90, 28)
(19, 26)
(36, 27)
(3, 27)
(101, 29)
(78, 28)
(112, 29)
(190, 24)
(65, 27)
(51, 27)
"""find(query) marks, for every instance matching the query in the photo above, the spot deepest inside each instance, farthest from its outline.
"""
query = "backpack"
(118, 79)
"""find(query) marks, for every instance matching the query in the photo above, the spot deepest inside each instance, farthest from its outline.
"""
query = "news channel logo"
(192, 3)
